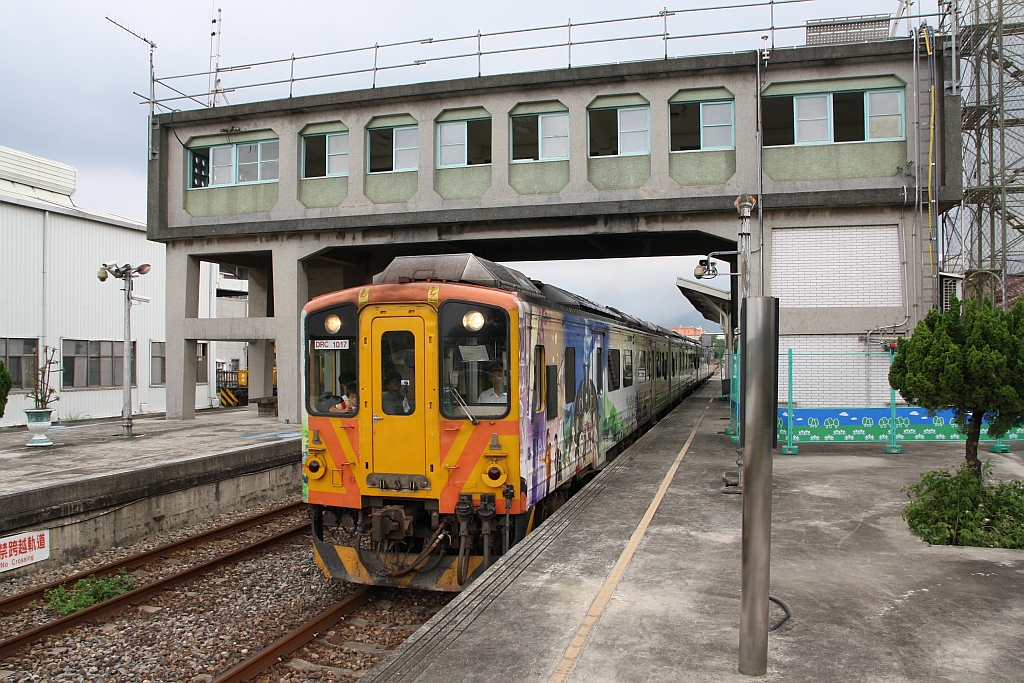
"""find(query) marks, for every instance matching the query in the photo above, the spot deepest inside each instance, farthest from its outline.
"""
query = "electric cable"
(785, 608)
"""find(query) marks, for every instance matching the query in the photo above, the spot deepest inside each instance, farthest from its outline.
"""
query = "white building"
(50, 296)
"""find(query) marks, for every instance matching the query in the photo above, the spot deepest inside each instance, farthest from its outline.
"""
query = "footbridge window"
(826, 118)
(540, 137)
(325, 156)
(242, 163)
(393, 149)
(463, 143)
(701, 126)
(622, 131)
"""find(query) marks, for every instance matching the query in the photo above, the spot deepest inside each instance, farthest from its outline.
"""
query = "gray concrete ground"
(870, 601)
(90, 467)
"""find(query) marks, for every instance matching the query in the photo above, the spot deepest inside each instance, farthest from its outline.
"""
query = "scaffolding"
(984, 239)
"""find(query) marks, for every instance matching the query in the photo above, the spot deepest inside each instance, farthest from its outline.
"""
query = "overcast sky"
(68, 76)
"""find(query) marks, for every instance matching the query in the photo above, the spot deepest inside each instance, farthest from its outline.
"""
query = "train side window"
(674, 354)
(614, 369)
(538, 379)
(599, 369)
(570, 375)
(627, 368)
(551, 396)
(641, 366)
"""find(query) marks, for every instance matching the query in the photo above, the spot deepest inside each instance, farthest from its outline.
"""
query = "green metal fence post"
(734, 391)
(789, 448)
(731, 429)
(999, 447)
(892, 446)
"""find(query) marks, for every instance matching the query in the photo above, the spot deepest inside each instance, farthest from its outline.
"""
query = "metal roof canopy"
(710, 302)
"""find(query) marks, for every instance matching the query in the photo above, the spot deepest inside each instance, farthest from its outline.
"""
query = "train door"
(398, 434)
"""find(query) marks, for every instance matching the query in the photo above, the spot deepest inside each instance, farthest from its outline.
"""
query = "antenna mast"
(151, 153)
(214, 82)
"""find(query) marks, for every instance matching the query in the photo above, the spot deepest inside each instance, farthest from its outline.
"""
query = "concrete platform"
(870, 601)
(90, 468)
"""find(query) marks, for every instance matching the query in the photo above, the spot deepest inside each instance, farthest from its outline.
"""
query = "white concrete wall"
(838, 375)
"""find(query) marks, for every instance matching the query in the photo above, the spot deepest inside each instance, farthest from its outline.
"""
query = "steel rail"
(272, 654)
(12, 645)
(141, 559)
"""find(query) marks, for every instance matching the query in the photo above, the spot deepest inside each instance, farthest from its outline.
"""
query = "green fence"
(845, 397)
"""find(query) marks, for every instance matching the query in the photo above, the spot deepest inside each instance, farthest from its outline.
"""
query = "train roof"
(471, 269)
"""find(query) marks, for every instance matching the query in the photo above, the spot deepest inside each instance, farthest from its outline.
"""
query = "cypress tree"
(970, 360)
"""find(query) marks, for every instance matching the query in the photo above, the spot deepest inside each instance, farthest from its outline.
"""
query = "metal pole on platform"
(759, 348)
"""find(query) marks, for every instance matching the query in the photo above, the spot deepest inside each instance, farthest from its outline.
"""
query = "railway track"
(272, 654)
(15, 643)
(141, 559)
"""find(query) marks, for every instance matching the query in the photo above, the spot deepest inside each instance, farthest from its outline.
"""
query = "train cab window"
(398, 372)
(538, 379)
(475, 363)
(627, 368)
(570, 375)
(614, 369)
(333, 362)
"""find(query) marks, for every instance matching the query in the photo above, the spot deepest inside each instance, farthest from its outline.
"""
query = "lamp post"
(126, 273)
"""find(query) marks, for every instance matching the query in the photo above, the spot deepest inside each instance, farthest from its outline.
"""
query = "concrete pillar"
(261, 369)
(291, 292)
(261, 353)
(182, 302)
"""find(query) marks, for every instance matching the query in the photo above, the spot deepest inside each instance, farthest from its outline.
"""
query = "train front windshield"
(475, 373)
(333, 362)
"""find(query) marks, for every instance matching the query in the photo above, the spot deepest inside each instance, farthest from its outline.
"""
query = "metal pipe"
(760, 377)
(126, 375)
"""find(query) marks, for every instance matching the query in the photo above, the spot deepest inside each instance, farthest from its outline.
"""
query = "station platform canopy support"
(715, 305)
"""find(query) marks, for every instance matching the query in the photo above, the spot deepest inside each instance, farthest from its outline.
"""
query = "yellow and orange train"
(454, 403)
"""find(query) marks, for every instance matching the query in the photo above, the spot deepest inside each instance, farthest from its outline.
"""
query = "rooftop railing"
(763, 24)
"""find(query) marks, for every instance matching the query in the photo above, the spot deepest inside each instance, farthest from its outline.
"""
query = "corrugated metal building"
(50, 296)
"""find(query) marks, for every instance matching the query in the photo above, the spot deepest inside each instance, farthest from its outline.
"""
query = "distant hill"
(690, 318)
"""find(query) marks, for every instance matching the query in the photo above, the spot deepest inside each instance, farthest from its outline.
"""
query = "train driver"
(495, 394)
(395, 401)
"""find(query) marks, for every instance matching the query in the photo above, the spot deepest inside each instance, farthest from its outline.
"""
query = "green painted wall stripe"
(701, 95)
(467, 114)
(226, 139)
(325, 127)
(392, 120)
(834, 85)
(537, 108)
(612, 101)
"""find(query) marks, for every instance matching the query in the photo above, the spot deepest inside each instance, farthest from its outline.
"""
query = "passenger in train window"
(495, 394)
(394, 401)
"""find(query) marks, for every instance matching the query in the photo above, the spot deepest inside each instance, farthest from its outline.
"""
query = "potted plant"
(43, 395)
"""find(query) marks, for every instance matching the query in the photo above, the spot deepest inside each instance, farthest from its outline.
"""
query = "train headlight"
(332, 324)
(473, 321)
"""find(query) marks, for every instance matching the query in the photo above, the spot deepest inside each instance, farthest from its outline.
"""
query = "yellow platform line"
(572, 653)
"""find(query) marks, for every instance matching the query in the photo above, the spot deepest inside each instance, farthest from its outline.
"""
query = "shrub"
(6, 382)
(88, 592)
(963, 509)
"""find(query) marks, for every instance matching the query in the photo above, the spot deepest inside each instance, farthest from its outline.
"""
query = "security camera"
(701, 268)
(102, 274)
